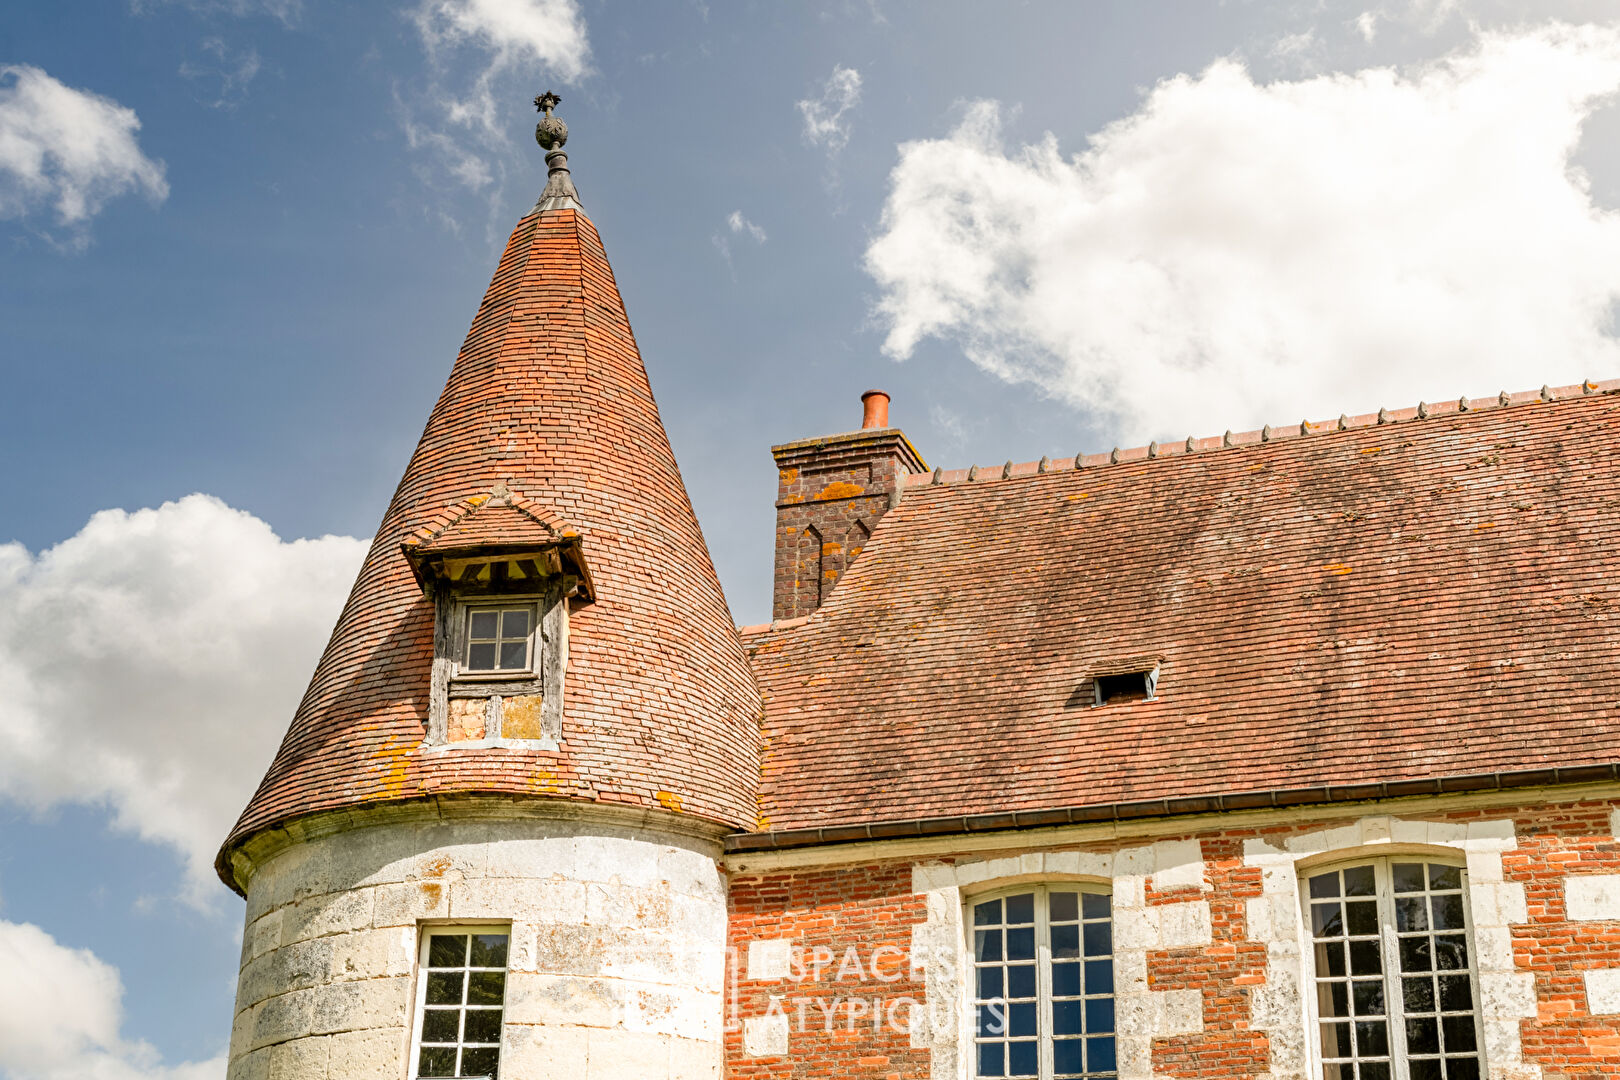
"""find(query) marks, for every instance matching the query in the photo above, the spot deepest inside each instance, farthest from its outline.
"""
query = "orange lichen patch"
(841, 489)
(668, 800)
(1338, 568)
(466, 720)
(395, 755)
(520, 717)
(787, 476)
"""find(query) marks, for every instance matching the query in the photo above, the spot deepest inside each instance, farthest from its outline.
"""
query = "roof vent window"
(1124, 687)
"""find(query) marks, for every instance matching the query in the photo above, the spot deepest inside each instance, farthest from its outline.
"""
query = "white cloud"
(1235, 253)
(151, 663)
(67, 151)
(61, 1011)
(740, 224)
(825, 122)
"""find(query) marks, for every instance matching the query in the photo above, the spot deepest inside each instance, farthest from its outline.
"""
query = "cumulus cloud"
(67, 151)
(826, 122)
(61, 1011)
(151, 662)
(1238, 253)
(458, 119)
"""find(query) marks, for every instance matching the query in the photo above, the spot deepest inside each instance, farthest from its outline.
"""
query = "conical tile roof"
(549, 401)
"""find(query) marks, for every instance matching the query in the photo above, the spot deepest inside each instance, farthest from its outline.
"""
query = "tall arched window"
(1043, 982)
(1392, 966)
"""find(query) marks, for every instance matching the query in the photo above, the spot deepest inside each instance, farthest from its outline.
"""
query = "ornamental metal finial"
(552, 135)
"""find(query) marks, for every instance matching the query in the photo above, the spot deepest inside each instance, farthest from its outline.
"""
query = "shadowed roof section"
(549, 408)
(1402, 599)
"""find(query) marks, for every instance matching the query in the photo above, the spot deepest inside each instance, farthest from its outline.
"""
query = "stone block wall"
(617, 962)
(1209, 939)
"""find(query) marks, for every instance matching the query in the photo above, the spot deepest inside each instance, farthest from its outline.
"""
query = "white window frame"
(1043, 967)
(1389, 951)
(425, 933)
(463, 638)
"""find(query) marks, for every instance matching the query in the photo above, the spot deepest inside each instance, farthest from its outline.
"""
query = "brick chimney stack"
(831, 491)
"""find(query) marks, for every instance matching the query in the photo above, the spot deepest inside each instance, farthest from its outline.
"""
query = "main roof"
(546, 429)
(1371, 601)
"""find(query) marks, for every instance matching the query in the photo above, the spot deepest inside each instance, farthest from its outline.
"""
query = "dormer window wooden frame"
(500, 706)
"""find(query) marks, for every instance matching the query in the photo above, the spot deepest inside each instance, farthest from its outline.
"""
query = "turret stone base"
(617, 964)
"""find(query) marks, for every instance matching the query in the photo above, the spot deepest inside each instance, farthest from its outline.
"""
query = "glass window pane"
(514, 655)
(1360, 881)
(1422, 1035)
(1411, 913)
(1021, 1058)
(1094, 905)
(1099, 976)
(987, 913)
(1065, 941)
(483, 1026)
(1418, 994)
(1068, 1017)
(1361, 917)
(1408, 877)
(486, 987)
(987, 944)
(480, 1062)
(1021, 908)
(1068, 1057)
(1375, 1070)
(444, 987)
(515, 624)
(1372, 1038)
(992, 1059)
(1336, 1040)
(481, 656)
(1455, 994)
(441, 1025)
(1066, 980)
(1459, 1034)
(1427, 1069)
(1021, 942)
(1366, 958)
(488, 950)
(1021, 1019)
(437, 1061)
(1325, 885)
(1330, 958)
(1462, 1068)
(447, 950)
(1021, 981)
(1448, 911)
(1445, 877)
(1097, 939)
(1416, 954)
(1100, 1055)
(1063, 906)
(989, 982)
(1369, 997)
(481, 625)
(1332, 999)
(1099, 1016)
(1327, 920)
(1451, 952)
(992, 1019)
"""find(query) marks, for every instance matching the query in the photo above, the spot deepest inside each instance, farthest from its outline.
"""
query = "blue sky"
(240, 242)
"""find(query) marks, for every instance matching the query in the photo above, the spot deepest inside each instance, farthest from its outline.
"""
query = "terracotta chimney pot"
(877, 409)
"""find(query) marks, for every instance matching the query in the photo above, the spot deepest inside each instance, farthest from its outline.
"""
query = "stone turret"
(531, 727)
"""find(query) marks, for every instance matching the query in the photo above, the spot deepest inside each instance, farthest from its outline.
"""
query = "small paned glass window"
(1043, 990)
(460, 994)
(1396, 994)
(499, 640)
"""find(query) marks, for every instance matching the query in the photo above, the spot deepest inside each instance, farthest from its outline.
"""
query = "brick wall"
(1215, 915)
(830, 494)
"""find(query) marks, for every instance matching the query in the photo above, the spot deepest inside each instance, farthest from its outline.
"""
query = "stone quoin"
(1274, 755)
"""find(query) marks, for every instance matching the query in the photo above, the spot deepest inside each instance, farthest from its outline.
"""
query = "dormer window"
(1125, 681)
(502, 577)
(498, 640)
